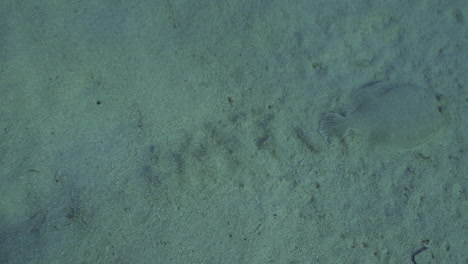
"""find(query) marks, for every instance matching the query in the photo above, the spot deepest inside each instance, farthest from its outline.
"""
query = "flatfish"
(399, 115)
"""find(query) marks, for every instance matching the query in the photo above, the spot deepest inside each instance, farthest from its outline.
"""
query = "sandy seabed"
(187, 132)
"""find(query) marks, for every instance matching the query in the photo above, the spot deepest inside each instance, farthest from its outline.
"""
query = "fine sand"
(185, 131)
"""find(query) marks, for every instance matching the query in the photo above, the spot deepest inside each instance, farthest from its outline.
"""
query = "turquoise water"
(187, 132)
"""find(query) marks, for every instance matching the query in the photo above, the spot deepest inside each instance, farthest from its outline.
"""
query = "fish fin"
(334, 125)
